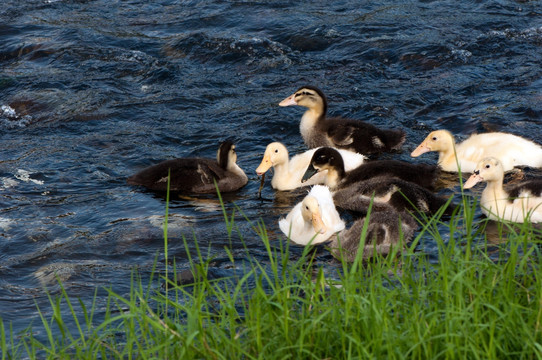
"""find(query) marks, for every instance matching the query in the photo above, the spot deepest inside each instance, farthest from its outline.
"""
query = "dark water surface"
(93, 91)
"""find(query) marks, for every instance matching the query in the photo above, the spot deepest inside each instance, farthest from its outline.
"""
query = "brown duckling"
(355, 135)
(385, 229)
(195, 175)
(384, 190)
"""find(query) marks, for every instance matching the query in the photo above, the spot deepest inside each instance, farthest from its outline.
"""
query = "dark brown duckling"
(195, 175)
(385, 230)
(383, 190)
(355, 135)
(329, 159)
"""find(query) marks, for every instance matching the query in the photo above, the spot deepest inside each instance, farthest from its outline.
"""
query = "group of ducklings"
(382, 193)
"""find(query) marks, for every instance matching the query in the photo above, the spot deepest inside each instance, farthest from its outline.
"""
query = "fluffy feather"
(518, 203)
(510, 149)
(318, 130)
(288, 173)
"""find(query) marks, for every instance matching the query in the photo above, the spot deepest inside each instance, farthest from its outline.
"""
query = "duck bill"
(421, 149)
(311, 170)
(318, 223)
(472, 180)
(264, 165)
(289, 101)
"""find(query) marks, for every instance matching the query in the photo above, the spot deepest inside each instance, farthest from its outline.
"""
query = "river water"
(92, 91)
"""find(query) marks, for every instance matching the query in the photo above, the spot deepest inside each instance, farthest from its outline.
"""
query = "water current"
(92, 91)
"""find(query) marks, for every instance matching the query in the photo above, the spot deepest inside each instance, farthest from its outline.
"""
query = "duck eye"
(306, 207)
(276, 150)
(488, 166)
(434, 138)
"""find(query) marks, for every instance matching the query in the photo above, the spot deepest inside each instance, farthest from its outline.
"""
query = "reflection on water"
(92, 92)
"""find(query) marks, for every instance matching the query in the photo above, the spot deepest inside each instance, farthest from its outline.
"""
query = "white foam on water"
(9, 118)
(24, 175)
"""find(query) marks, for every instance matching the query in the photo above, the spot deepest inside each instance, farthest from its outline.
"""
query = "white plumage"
(288, 172)
(314, 220)
(510, 149)
(518, 203)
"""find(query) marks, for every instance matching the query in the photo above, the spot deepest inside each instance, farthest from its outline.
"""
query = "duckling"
(384, 191)
(329, 159)
(318, 130)
(195, 175)
(288, 173)
(313, 220)
(512, 150)
(518, 203)
(385, 229)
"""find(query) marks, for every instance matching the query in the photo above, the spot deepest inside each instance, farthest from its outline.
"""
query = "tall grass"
(471, 304)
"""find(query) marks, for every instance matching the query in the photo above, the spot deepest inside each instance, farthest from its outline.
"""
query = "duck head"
(439, 140)
(307, 96)
(275, 154)
(488, 169)
(226, 157)
(325, 158)
(310, 210)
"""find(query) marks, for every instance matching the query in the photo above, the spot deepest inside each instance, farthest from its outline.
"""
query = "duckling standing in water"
(288, 173)
(195, 175)
(518, 203)
(355, 135)
(512, 150)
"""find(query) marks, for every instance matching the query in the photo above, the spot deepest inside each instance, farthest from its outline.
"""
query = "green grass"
(467, 305)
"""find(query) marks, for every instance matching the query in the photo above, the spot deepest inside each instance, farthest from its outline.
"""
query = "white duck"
(289, 172)
(512, 150)
(314, 220)
(518, 203)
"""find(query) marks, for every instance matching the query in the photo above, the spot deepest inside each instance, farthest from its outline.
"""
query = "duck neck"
(333, 177)
(448, 155)
(281, 171)
(494, 194)
(234, 168)
(309, 120)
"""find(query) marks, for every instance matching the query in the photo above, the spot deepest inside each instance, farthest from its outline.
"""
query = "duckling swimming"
(355, 135)
(195, 175)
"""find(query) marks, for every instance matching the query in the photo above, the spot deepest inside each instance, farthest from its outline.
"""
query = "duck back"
(424, 175)
(189, 175)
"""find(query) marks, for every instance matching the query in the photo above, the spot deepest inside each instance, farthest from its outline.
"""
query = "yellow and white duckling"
(288, 172)
(384, 230)
(512, 150)
(195, 175)
(355, 135)
(518, 203)
(313, 220)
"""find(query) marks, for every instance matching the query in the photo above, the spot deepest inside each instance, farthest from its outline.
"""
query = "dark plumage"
(329, 159)
(385, 229)
(400, 194)
(318, 130)
(195, 175)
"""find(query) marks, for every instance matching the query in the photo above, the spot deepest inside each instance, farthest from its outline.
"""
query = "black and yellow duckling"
(355, 135)
(329, 159)
(384, 190)
(195, 175)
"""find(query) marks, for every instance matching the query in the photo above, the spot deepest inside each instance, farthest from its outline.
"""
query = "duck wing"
(424, 175)
(360, 136)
